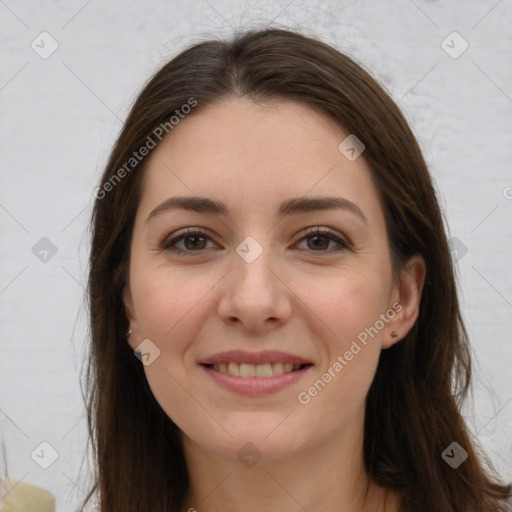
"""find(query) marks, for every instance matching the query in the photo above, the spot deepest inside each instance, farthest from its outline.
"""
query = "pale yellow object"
(23, 497)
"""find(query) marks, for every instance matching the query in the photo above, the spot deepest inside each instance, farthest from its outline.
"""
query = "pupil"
(194, 237)
(317, 237)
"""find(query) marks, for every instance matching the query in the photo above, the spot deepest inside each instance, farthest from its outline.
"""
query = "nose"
(255, 295)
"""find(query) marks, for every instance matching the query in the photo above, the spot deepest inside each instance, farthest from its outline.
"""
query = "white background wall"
(59, 117)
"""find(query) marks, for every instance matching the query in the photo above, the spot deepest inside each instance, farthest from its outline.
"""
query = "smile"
(264, 370)
(255, 373)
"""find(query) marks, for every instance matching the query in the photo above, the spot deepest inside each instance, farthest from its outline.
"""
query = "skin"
(295, 297)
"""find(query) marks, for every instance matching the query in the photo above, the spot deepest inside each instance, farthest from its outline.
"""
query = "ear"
(407, 293)
(130, 315)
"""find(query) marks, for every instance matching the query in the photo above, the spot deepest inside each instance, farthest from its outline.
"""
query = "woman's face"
(257, 328)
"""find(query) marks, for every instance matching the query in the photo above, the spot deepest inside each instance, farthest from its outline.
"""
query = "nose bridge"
(251, 266)
(254, 293)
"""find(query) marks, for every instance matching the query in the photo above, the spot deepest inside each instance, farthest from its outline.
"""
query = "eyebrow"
(289, 207)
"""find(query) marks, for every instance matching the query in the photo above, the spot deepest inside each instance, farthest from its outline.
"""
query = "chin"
(257, 443)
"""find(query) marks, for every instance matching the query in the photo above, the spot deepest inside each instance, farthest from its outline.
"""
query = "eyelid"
(179, 235)
(169, 242)
(331, 233)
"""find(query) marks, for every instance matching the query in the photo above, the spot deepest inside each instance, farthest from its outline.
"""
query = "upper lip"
(241, 356)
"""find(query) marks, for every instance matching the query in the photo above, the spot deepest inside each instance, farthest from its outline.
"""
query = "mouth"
(248, 370)
(251, 373)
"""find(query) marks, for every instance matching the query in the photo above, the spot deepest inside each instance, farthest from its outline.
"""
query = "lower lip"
(255, 385)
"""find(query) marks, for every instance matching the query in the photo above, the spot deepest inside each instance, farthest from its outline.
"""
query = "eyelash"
(169, 243)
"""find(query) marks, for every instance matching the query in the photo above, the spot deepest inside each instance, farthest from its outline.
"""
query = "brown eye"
(319, 240)
(193, 241)
(196, 241)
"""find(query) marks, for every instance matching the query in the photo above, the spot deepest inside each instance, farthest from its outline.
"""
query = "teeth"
(247, 370)
(256, 370)
(263, 370)
(277, 368)
(233, 369)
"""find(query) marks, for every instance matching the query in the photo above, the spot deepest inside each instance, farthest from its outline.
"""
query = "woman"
(267, 241)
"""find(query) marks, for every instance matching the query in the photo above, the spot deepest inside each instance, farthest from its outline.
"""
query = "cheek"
(170, 311)
(353, 309)
(172, 307)
(349, 303)
(162, 298)
(332, 398)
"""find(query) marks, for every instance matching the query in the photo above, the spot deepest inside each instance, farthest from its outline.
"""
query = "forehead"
(251, 155)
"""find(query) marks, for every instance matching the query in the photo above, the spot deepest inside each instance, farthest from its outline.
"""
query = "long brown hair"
(413, 406)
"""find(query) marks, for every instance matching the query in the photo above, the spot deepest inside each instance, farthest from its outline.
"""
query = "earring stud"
(394, 334)
(129, 332)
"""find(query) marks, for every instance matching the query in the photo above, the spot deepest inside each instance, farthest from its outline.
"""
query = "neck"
(325, 476)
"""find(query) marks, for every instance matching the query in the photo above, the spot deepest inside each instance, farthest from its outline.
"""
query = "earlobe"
(409, 289)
